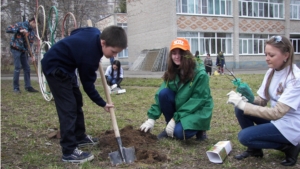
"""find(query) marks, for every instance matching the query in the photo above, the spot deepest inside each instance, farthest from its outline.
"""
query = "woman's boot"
(291, 154)
(250, 152)
(201, 135)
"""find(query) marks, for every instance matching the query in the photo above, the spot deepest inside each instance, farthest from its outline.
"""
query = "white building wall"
(294, 26)
(154, 24)
(151, 25)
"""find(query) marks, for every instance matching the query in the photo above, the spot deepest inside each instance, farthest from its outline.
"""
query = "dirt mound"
(144, 144)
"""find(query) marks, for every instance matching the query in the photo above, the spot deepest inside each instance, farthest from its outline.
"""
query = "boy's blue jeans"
(20, 61)
(263, 135)
(167, 106)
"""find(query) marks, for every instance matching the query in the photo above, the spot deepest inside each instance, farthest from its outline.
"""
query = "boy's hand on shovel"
(32, 59)
(25, 32)
(108, 106)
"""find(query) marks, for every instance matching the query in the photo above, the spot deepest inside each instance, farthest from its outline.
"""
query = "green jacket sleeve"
(154, 111)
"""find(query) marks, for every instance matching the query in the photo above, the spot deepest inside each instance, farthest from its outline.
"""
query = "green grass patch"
(27, 118)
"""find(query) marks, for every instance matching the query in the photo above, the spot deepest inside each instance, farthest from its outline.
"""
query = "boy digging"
(83, 51)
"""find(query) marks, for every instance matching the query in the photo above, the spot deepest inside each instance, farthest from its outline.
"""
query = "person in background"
(208, 64)
(183, 98)
(82, 50)
(220, 62)
(197, 54)
(19, 50)
(114, 74)
(277, 127)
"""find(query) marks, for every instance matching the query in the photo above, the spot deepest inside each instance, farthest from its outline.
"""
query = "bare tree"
(13, 11)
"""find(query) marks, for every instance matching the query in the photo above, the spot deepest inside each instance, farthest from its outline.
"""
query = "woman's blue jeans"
(111, 80)
(167, 106)
(20, 61)
(263, 135)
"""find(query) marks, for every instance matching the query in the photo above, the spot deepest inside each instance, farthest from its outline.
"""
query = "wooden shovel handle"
(107, 94)
(111, 110)
(31, 55)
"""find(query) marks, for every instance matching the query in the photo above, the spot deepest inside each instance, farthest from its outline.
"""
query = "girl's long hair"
(118, 64)
(185, 70)
(284, 46)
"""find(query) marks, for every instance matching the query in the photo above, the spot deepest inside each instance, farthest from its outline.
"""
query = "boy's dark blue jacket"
(81, 50)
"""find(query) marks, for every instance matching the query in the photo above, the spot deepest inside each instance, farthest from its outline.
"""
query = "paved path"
(147, 74)
(143, 74)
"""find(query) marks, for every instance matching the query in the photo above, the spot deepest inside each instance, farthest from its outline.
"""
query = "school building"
(239, 28)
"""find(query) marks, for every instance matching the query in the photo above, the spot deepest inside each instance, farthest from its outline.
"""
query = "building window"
(124, 52)
(296, 45)
(254, 44)
(211, 43)
(261, 8)
(295, 9)
(205, 7)
(295, 40)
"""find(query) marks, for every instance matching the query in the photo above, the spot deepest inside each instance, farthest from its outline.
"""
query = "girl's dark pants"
(208, 69)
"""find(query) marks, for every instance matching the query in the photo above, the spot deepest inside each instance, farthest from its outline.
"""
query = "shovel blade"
(129, 156)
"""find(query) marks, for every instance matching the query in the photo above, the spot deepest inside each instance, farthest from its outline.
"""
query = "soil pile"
(146, 150)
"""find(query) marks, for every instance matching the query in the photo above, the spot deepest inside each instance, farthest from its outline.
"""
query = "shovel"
(31, 55)
(123, 155)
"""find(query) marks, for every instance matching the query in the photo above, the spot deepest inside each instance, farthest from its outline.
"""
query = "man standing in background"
(19, 49)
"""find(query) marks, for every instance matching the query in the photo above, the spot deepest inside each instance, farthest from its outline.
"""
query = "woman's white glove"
(170, 128)
(233, 92)
(236, 99)
(147, 125)
(230, 93)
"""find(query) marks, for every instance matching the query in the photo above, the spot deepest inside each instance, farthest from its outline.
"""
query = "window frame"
(295, 6)
(124, 52)
(204, 7)
(256, 9)
(296, 45)
(209, 44)
(252, 43)
(258, 44)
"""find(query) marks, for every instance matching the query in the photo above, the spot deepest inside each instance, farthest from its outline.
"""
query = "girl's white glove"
(233, 92)
(236, 99)
(147, 125)
(170, 128)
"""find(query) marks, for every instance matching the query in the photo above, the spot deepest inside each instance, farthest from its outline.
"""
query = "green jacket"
(193, 100)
